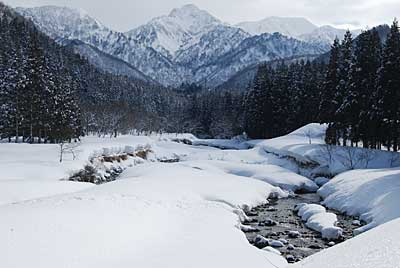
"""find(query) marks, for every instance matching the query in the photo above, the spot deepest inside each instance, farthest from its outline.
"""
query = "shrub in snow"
(129, 150)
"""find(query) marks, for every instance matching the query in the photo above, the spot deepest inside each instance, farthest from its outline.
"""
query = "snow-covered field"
(184, 214)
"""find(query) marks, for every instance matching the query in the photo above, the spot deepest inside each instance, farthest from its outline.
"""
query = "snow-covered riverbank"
(184, 214)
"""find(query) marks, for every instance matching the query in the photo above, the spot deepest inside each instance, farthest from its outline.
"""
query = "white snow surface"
(307, 145)
(372, 195)
(185, 214)
(379, 247)
(319, 220)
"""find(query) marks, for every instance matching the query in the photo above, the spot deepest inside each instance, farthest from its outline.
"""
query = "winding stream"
(278, 221)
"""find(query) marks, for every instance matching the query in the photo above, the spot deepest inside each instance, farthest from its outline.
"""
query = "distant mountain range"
(188, 45)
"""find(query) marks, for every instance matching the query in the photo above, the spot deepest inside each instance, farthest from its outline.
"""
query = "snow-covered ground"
(373, 195)
(379, 247)
(184, 214)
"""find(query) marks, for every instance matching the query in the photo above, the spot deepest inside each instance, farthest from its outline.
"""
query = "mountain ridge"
(187, 45)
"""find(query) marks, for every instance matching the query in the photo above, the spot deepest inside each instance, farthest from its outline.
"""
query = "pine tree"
(327, 107)
(345, 64)
(257, 105)
(360, 96)
(388, 93)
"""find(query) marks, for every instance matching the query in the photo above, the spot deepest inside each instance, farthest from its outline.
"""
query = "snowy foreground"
(186, 214)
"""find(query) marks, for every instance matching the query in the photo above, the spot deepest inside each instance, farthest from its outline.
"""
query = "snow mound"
(319, 220)
(376, 248)
(309, 210)
(372, 195)
(307, 147)
(274, 175)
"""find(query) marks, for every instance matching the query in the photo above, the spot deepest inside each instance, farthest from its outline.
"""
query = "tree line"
(50, 94)
(37, 93)
(283, 98)
(357, 93)
(361, 92)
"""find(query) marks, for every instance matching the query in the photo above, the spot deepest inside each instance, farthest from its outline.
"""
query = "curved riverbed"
(277, 221)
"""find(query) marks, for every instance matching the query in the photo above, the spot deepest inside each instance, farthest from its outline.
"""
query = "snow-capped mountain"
(187, 45)
(325, 35)
(254, 50)
(219, 41)
(105, 61)
(291, 27)
(181, 28)
(63, 23)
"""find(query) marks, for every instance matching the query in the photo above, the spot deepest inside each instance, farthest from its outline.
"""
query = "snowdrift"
(379, 247)
(372, 195)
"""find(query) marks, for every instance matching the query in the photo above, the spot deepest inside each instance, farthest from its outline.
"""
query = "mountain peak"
(290, 26)
(192, 12)
(65, 16)
(189, 8)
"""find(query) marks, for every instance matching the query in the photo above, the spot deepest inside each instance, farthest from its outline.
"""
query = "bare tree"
(308, 135)
(349, 158)
(367, 156)
(69, 148)
(394, 159)
(326, 151)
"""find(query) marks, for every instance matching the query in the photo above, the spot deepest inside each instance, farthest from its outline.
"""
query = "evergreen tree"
(388, 94)
(360, 96)
(257, 105)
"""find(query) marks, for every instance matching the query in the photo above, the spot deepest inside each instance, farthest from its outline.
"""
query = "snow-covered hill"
(187, 45)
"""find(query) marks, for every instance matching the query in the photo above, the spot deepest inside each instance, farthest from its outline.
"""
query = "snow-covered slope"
(188, 45)
(253, 50)
(325, 35)
(182, 27)
(287, 26)
(372, 195)
(219, 41)
(377, 248)
(62, 24)
(107, 62)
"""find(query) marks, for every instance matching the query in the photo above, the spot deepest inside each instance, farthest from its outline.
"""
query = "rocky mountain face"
(106, 62)
(188, 45)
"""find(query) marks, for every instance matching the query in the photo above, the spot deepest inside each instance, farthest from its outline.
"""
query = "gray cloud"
(126, 14)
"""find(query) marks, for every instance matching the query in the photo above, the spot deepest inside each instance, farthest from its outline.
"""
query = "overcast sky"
(125, 15)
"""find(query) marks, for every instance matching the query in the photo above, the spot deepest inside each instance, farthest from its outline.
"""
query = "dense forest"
(50, 94)
(357, 94)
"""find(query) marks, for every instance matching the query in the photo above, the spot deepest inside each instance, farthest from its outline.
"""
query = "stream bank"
(277, 225)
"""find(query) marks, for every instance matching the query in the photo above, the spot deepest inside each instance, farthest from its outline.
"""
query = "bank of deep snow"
(185, 214)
